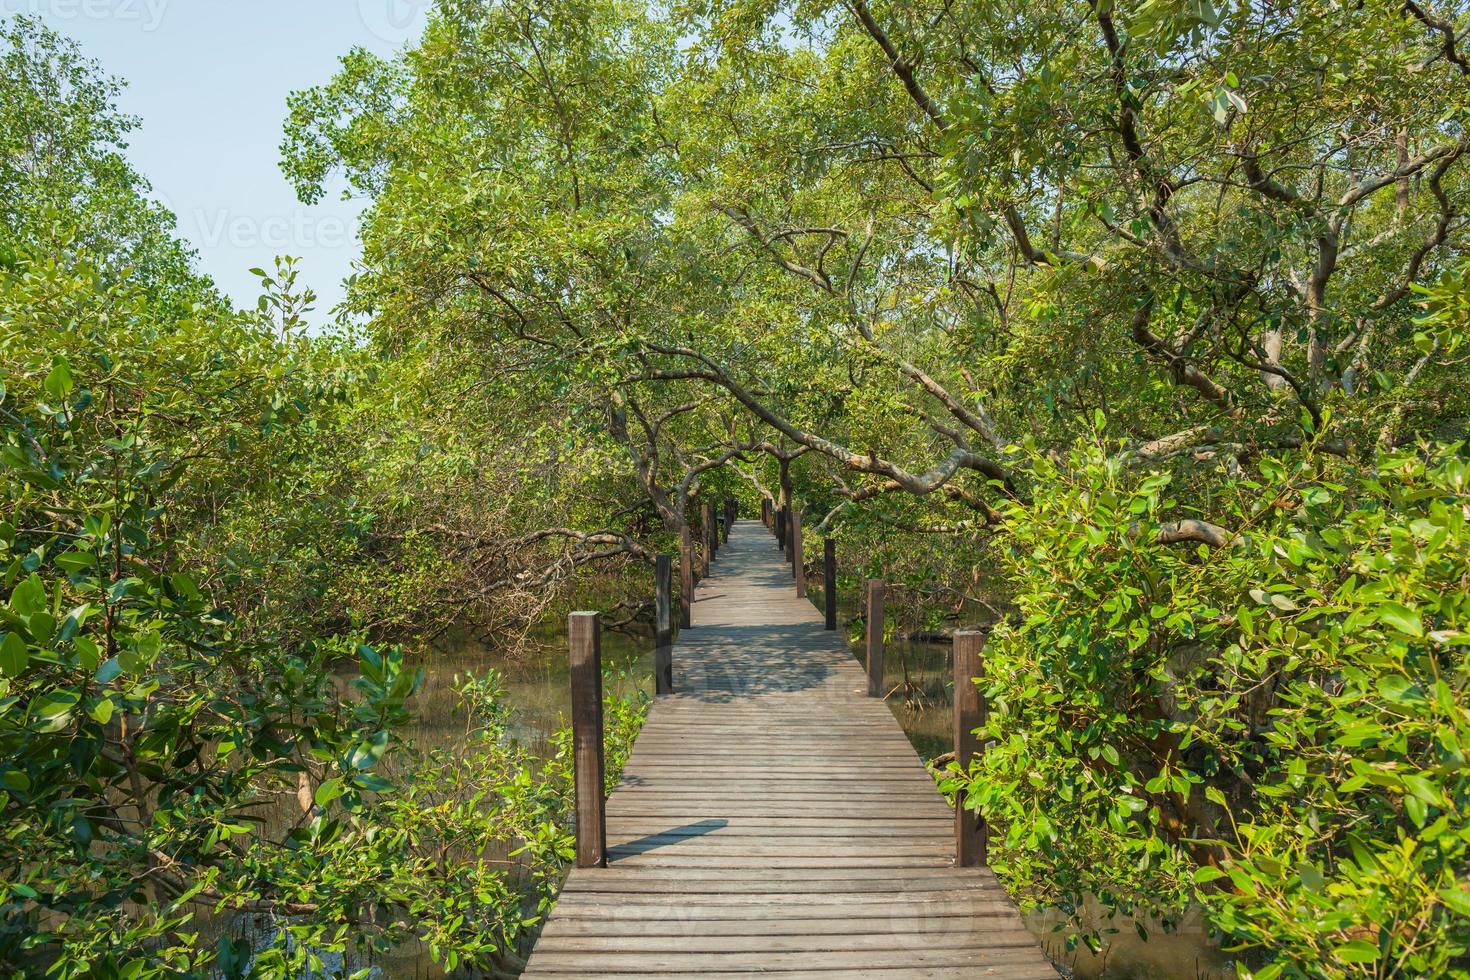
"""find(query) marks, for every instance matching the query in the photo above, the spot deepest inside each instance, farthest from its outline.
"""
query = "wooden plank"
(950, 954)
(816, 942)
(971, 900)
(769, 918)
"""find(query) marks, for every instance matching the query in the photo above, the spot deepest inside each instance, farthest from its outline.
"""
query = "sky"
(209, 79)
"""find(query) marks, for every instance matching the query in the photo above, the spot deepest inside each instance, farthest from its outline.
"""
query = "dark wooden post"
(663, 614)
(781, 528)
(874, 629)
(766, 512)
(970, 836)
(587, 759)
(798, 554)
(790, 538)
(711, 534)
(686, 577)
(829, 586)
(704, 542)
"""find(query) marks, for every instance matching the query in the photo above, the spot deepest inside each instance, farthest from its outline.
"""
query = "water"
(919, 675)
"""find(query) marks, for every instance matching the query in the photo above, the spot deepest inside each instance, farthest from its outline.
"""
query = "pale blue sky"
(209, 79)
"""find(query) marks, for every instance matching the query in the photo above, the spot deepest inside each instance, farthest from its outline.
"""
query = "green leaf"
(1357, 951)
(28, 597)
(58, 383)
(328, 791)
(1401, 618)
(1425, 790)
(1207, 874)
(1457, 900)
(15, 656)
(102, 711)
(43, 626)
(76, 561)
(53, 711)
(1399, 689)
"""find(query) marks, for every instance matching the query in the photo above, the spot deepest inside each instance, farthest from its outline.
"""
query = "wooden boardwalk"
(774, 820)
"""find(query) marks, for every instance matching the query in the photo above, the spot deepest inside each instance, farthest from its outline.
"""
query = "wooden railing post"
(587, 758)
(874, 630)
(798, 555)
(663, 614)
(704, 541)
(829, 586)
(686, 577)
(781, 528)
(790, 537)
(711, 534)
(970, 710)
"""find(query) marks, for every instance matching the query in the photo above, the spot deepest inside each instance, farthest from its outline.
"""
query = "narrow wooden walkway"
(773, 819)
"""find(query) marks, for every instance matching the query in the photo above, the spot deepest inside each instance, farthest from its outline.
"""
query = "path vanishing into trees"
(774, 819)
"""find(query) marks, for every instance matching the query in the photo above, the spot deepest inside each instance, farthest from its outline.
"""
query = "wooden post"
(704, 542)
(798, 555)
(711, 534)
(829, 587)
(970, 710)
(874, 629)
(781, 528)
(587, 759)
(791, 538)
(663, 612)
(686, 577)
(730, 516)
(766, 512)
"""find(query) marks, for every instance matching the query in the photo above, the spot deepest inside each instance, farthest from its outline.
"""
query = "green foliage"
(1276, 728)
(64, 180)
(153, 736)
